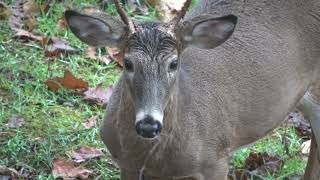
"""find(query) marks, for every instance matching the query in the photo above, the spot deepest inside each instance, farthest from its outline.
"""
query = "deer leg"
(313, 167)
(126, 175)
(310, 107)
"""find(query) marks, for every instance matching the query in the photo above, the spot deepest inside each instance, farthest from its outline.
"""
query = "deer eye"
(173, 65)
(128, 65)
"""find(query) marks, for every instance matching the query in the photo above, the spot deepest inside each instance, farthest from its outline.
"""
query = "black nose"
(148, 127)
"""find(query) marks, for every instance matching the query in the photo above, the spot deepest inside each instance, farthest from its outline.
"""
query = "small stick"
(124, 16)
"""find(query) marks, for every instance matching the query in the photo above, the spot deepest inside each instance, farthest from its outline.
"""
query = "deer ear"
(207, 32)
(96, 30)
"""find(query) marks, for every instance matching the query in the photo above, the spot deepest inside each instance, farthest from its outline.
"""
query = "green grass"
(54, 120)
(294, 161)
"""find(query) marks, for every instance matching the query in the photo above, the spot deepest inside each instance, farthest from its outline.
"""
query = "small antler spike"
(127, 20)
(180, 15)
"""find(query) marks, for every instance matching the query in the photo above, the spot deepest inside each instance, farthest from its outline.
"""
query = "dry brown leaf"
(5, 11)
(301, 125)
(257, 165)
(66, 169)
(98, 94)
(15, 121)
(85, 153)
(91, 122)
(69, 81)
(24, 15)
(106, 59)
(116, 54)
(27, 36)
(57, 47)
(61, 24)
(90, 53)
(8, 173)
(30, 7)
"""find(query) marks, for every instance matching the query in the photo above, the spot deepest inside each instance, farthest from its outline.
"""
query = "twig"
(124, 16)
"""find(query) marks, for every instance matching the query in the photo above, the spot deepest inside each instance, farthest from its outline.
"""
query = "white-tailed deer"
(195, 90)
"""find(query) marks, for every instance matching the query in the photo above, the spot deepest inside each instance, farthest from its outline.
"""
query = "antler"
(126, 19)
(180, 15)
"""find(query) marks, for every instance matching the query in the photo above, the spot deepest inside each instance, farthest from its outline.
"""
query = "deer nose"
(148, 127)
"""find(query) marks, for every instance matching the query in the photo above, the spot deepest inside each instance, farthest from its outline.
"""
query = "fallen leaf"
(15, 121)
(66, 169)
(262, 163)
(24, 14)
(106, 59)
(30, 7)
(91, 54)
(98, 94)
(305, 147)
(257, 165)
(57, 47)
(68, 81)
(27, 36)
(8, 173)
(61, 24)
(5, 12)
(85, 153)
(302, 126)
(90, 122)
(116, 54)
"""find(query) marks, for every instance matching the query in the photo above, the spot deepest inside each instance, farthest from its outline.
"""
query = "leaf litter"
(8, 173)
(15, 122)
(24, 15)
(91, 122)
(85, 153)
(56, 47)
(91, 53)
(302, 126)
(257, 165)
(68, 81)
(66, 169)
(98, 94)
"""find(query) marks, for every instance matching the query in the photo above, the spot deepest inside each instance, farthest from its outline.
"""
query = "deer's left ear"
(206, 31)
(97, 30)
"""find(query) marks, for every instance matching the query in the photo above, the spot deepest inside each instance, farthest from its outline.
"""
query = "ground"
(53, 120)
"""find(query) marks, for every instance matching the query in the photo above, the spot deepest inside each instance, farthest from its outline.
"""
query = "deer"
(215, 78)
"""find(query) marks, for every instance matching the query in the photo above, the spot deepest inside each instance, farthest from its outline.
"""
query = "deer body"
(222, 98)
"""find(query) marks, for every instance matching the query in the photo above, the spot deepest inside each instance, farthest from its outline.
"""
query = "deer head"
(151, 54)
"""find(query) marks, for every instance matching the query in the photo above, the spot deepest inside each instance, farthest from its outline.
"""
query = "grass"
(54, 120)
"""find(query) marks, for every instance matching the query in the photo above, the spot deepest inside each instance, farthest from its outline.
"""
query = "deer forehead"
(150, 39)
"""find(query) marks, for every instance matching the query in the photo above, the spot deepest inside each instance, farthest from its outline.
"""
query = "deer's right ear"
(206, 31)
(97, 31)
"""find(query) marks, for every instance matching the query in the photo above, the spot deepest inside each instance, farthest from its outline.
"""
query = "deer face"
(151, 56)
